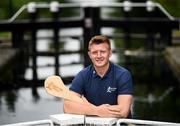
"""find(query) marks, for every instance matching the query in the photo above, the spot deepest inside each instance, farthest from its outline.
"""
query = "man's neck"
(101, 71)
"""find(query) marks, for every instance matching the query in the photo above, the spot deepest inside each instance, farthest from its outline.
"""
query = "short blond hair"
(98, 39)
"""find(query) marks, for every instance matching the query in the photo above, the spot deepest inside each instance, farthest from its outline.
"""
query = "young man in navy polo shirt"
(105, 87)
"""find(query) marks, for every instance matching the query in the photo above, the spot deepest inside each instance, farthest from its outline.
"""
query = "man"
(105, 87)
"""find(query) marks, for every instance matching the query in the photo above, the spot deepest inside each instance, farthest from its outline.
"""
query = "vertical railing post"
(18, 43)
(127, 38)
(34, 51)
(166, 36)
(127, 43)
(17, 38)
(87, 33)
(96, 21)
(91, 28)
(33, 14)
(54, 8)
(150, 40)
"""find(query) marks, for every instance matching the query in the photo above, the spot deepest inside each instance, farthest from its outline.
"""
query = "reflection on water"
(159, 104)
(156, 95)
(27, 104)
(156, 90)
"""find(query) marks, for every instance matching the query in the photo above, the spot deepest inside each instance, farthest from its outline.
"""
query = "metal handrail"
(39, 122)
(93, 4)
(165, 12)
(145, 122)
(118, 123)
(17, 13)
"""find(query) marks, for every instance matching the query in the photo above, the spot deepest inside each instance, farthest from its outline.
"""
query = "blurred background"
(44, 37)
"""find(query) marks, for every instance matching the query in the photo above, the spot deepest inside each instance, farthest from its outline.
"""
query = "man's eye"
(103, 52)
(94, 52)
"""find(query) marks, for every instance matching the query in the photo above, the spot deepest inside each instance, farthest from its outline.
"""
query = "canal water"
(156, 90)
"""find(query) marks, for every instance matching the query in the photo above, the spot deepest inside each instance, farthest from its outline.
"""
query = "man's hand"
(116, 111)
(107, 110)
(121, 110)
(104, 111)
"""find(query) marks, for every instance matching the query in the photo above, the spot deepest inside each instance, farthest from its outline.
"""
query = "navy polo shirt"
(103, 90)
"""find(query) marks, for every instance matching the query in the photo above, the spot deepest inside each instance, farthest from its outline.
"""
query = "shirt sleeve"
(77, 84)
(125, 85)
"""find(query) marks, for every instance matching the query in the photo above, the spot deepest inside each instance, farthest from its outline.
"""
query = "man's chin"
(99, 65)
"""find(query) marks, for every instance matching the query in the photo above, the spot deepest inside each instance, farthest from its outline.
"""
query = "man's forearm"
(79, 108)
(88, 109)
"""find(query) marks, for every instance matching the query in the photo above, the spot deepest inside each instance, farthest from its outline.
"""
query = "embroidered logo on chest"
(111, 89)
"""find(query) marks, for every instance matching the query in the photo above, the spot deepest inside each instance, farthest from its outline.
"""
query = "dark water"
(156, 95)
(23, 105)
(156, 90)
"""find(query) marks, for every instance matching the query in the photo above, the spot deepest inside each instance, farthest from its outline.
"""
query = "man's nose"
(99, 54)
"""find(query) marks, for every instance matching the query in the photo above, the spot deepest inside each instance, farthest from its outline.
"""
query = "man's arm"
(86, 108)
(123, 108)
(79, 108)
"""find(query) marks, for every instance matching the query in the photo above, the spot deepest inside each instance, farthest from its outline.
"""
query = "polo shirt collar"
(106, 74)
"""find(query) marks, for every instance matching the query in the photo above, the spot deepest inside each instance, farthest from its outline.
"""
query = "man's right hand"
(103, 110)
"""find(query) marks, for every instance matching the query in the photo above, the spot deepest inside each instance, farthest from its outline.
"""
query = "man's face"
(100, 54)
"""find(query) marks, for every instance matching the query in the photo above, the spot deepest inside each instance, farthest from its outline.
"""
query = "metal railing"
(55, 6)
(33, 123)
(119, 122)
(145, 122)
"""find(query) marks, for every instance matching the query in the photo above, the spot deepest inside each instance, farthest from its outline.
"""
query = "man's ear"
(110, 53)
(89, 54)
